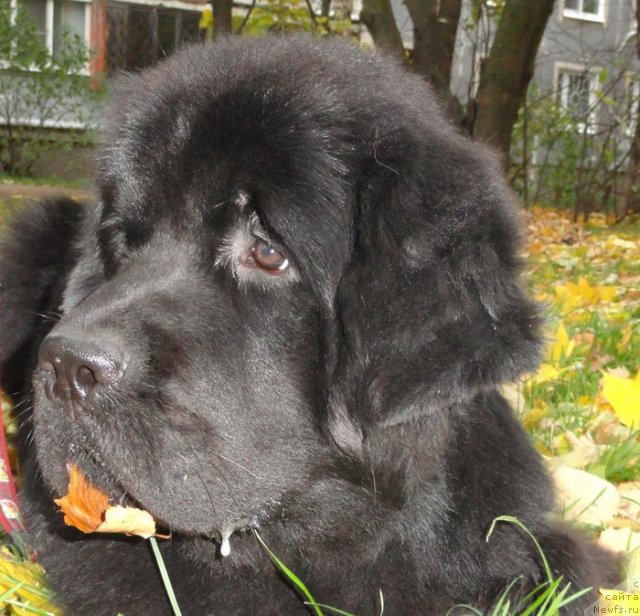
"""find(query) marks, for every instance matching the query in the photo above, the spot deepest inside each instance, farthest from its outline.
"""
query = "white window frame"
(175, 4)
(562, 95)
(632, 96)
(578, 13)
(49, 24)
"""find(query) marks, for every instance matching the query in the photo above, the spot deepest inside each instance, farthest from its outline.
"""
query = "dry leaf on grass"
(630, 506)
(583, 450)
(585, 498)
(620, 539)
(87, 508)
(513, 393)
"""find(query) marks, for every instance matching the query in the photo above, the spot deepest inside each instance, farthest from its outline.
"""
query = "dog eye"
(266, 257)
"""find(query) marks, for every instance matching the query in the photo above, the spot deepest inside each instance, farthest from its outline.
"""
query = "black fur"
(347, 407)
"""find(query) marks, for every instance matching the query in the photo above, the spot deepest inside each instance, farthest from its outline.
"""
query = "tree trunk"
(221, 17)
(508, 70)
(435, 24)
(630, 198)
(378, 17)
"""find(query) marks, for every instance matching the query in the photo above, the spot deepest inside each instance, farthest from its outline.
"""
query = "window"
(590, 10)
(71, 16)
(38, 12)
(576, 91)
(53, 17)
(141, 35)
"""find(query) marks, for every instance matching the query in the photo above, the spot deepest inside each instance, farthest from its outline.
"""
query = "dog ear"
(36, 254)
(431, 307)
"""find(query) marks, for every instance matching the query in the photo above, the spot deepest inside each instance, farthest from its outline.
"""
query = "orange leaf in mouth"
(87, 508)
(84, 505)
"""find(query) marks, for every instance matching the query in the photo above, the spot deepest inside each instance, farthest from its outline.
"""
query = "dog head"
(292, 252)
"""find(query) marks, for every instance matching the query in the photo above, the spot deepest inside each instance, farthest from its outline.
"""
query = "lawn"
(588, 277)
(581, 408)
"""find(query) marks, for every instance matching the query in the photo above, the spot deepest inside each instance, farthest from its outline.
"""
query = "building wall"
(567, 40)
(589, 44)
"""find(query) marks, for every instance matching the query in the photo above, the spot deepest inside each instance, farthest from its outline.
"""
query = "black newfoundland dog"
(289, 310)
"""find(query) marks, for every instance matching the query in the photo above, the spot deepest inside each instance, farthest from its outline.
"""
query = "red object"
(98, 40)
(9, 505)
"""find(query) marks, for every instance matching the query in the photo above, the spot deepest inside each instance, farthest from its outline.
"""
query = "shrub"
(40, 92)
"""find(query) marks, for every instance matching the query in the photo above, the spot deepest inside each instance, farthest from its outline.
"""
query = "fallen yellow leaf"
(546, 372)
(532, 418)
(619, 242)
(26, 580)
(563, 346)
(623, 394)
(619, 539)
(575, 295)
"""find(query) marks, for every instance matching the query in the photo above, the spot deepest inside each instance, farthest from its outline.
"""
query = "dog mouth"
(78, 448)
(96, 482)
(90, 463)
(90, 506)
(106, 455)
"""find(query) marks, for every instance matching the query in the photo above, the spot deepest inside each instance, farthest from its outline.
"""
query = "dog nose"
(76, 368)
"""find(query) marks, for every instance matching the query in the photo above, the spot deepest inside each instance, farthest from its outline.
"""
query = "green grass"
(619, 461)
(546, 599)
(15, 193)
(164, 574)
(55, 181)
